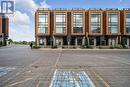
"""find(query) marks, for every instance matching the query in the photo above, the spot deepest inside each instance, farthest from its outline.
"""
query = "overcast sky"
(22, 22)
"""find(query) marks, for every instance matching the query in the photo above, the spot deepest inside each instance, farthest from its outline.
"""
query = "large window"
(60, 22)
(113, 22)
(43, 22)
(128, 22)
(78, 22)
(95, 22)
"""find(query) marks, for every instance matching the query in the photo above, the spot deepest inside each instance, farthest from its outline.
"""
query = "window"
(78, 22)
(60, 22)
(113, 22)
(95, 22)
(43, 23)
(127, 22)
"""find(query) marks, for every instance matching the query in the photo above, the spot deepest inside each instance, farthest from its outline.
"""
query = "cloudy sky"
(22, 22)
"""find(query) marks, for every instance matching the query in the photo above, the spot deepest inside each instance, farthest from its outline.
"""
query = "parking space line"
(16, 83)
(100, 78)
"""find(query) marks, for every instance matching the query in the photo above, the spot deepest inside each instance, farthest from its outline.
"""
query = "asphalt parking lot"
(35, 67)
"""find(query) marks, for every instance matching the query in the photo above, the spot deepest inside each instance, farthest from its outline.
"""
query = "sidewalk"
(83, 49)
(3, 47)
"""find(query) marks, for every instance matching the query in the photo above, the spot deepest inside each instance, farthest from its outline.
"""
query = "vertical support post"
(76, 41)
(83, 41)
(94, 42)
(109, 41)
(113, 41)
(119, 40)
(128, 42)
(116, 40)
(37, 41)
(54, 41)
(88, 41)
(45, 42)
(61, 42)
(68, 44)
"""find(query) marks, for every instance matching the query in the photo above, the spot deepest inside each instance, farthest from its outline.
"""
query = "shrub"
(126, 47)
(86, 47)
(54, 47)
(112, 47)
(119, 46)
(82, 46)
(36, 47)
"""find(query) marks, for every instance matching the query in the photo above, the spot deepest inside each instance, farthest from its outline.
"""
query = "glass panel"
(78, 29)
(60, 22)
(128, 29)
(43, 23)
(95, 29)
(113, 22)
(127, 17)
(113, 29)
(60, 30)
(78, 22)
(95, 22)
(127, 22)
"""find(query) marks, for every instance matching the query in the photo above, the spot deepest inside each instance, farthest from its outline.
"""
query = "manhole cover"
(70, 78)
(5, 70)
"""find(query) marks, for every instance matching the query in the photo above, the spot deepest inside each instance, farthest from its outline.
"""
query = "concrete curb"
(85, 49)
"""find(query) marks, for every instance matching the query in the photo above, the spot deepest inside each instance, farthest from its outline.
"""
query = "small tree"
(123, 42)
(86, 42)
(10, 40)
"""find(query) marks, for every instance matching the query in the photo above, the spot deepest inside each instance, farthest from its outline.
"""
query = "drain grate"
(70, 78)
(5, 70)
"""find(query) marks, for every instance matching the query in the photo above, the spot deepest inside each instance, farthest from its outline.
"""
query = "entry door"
(59, 42)
(79, 41)
(41, 41)
(113, 41)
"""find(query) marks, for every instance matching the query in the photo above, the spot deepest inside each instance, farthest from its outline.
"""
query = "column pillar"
(76, 41)
(37, 41)
(116, 40)
(109, 41)
(45, 42)
(128, 41)
(68, 41)
(113, 41)
(54, 41)
(119, 39)
(2, 40)
(88, 41)
(68, 44)
(83, 41)
(61, 42)
(94, 42)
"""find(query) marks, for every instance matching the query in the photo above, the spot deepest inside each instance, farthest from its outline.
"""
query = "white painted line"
(16, 83)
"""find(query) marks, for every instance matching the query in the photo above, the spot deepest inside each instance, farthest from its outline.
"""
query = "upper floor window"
(95, 22)
(113, 22)
(60, 22)
(128, 22)
(43, 22)
(78, 22)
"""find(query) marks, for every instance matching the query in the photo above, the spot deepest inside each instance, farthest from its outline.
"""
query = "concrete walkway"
(83, 49)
